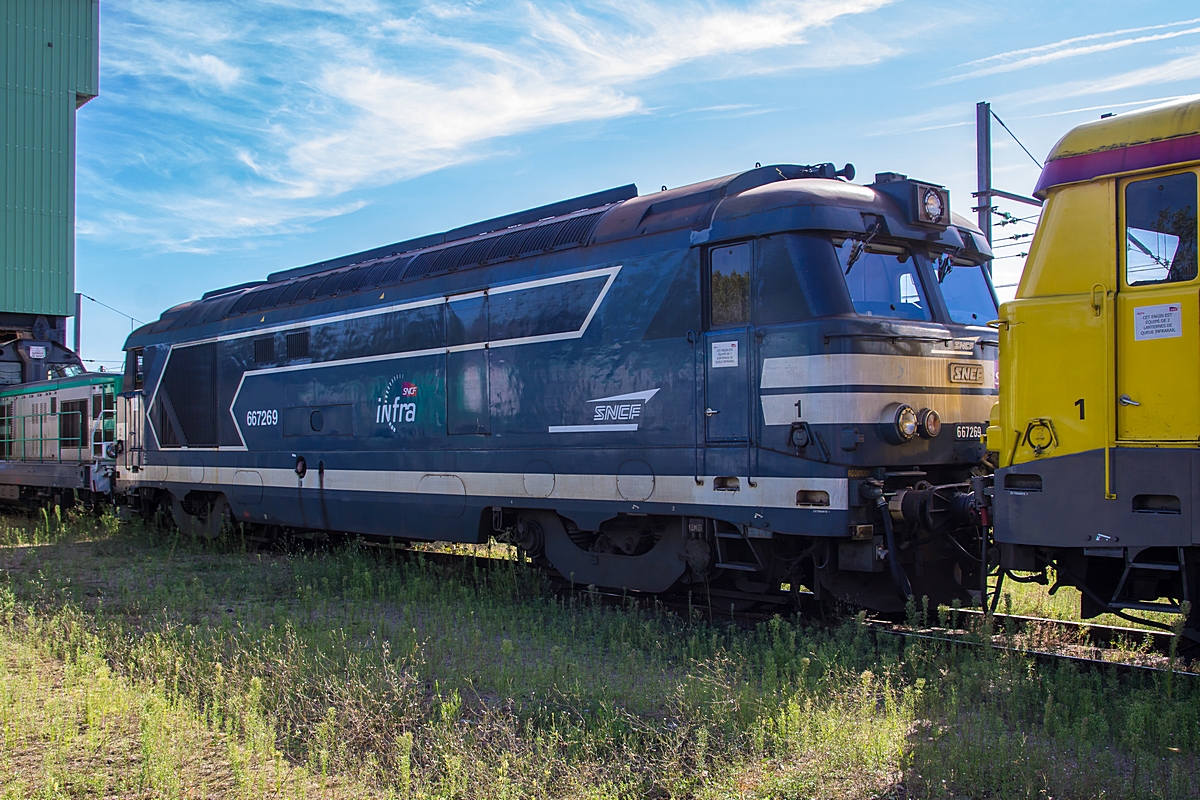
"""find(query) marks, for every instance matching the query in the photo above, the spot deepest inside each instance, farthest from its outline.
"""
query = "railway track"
(1131, 654)
(1125, 650)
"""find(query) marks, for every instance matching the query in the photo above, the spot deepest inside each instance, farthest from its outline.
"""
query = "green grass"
(139, 664)
(1035, 600)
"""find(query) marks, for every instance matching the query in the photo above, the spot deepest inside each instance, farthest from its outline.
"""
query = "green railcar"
(58, 438)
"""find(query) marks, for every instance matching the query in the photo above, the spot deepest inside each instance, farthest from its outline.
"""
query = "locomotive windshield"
(883, 281)
(966, 291)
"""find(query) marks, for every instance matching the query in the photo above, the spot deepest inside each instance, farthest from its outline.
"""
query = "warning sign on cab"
(1157, 322)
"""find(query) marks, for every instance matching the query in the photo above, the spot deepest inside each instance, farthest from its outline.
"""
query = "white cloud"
(214, 68)
(1063, 53)
(1065, 43)
(1184, 68)
(1110, 106)
(264, 113)
(1179, 69)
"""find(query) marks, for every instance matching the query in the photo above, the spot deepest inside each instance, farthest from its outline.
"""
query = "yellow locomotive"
(1097, 432)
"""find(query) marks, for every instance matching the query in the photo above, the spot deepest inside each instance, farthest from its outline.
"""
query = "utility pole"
(78, 318)
(983, 168)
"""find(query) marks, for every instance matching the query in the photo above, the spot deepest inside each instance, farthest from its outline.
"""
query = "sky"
(233, 138)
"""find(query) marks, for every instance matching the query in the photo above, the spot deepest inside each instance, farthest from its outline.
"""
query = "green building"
(50, 64)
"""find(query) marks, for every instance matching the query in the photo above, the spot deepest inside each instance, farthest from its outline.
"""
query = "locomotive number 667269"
(262, 417)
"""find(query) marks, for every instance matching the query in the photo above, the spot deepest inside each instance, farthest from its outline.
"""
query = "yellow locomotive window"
(1160, 230)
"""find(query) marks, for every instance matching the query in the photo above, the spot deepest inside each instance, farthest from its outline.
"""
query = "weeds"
(353, 670)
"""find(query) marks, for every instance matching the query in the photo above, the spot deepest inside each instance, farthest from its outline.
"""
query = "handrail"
(47, 442)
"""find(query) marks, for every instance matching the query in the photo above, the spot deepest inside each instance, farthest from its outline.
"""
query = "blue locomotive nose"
(640, 392)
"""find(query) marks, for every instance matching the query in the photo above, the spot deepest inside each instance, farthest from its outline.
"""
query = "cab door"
(727, 345)
(1158, 312)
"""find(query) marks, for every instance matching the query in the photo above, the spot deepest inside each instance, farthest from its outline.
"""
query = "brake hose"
(873, 490)
(899, 578)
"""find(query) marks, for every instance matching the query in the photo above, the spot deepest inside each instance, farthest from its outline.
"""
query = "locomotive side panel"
(474, 381)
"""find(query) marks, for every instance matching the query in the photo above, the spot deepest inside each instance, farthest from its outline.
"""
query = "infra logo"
(398, 405)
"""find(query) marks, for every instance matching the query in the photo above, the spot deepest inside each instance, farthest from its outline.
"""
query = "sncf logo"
(966, 373)
(408, 389)
(616, 411)
(621, 412)
(623, 409)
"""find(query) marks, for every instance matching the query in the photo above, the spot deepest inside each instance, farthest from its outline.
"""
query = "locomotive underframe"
(1136, 551)
(836, 553)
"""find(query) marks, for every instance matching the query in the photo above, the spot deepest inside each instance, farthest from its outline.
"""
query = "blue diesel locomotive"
(767, 380)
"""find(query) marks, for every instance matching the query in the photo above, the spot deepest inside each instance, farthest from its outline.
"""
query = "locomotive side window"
(729, 285)
(1160, 230)
(134, 369)
(882, 280)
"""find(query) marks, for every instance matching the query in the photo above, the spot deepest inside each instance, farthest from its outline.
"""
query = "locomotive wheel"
(199, 514)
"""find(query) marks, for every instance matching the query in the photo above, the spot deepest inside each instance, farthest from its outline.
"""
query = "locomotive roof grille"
(528, 241)
(422, 265)
(290, 292)
(264, 298)
(328, 287)
(393, 272)
(508, 221)
(243, 303)
(352, 280)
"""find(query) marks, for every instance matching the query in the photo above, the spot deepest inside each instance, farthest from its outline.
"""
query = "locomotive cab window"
(729, 285)
(966, 290)
(883, 280)
(1160, 230)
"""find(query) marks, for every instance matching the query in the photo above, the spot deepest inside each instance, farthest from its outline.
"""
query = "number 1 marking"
(1079, 403)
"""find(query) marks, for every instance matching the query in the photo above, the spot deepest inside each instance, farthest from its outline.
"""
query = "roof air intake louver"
(537, 238)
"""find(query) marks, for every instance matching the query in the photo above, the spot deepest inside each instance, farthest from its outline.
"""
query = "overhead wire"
(110, 308)
(1010, 219)
(1015, 139)
(1014, 237)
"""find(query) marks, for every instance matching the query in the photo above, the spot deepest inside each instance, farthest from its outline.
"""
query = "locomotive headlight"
(899, 423)
(929, 423)
(931, 203)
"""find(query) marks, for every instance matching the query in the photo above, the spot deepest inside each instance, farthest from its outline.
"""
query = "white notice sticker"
(724, 354)
(37, 351)
(1157, 322)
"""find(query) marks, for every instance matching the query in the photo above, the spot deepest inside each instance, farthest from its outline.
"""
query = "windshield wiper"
(860, 246)
(944, 267)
